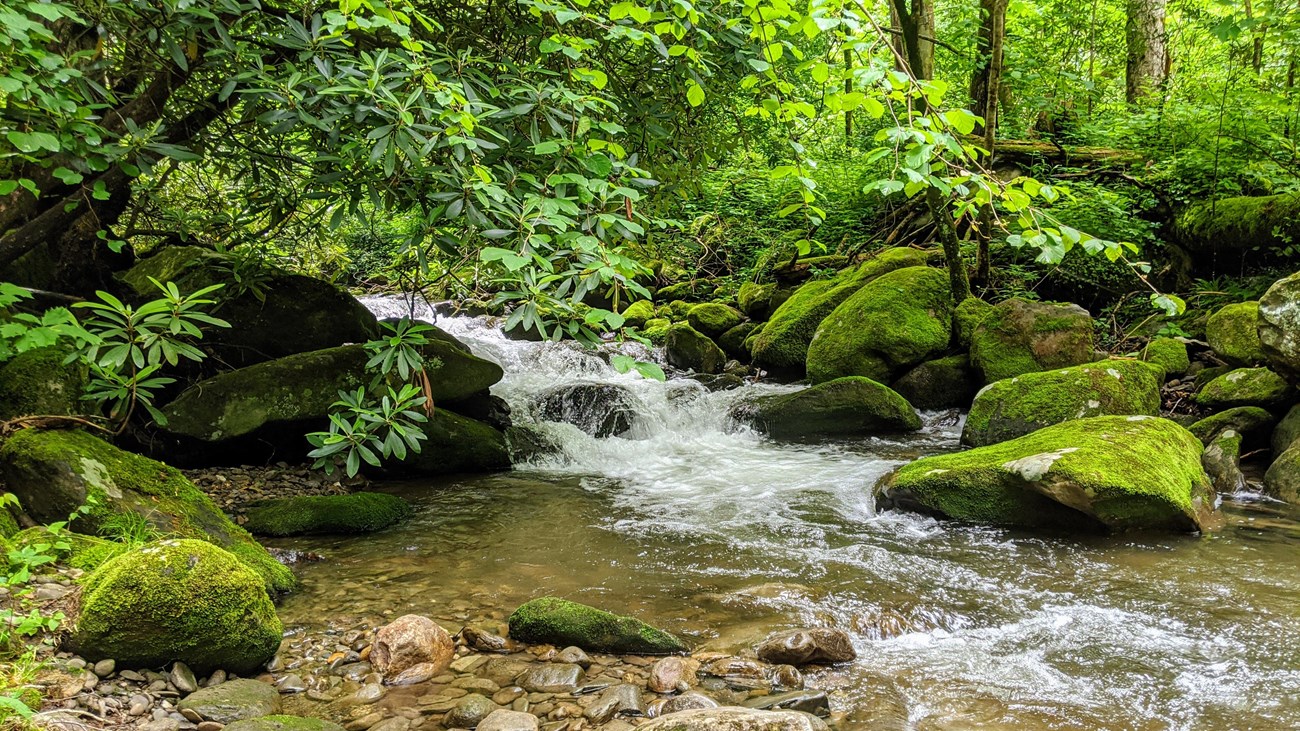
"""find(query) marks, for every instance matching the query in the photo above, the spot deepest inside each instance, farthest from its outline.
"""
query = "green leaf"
(694, 93)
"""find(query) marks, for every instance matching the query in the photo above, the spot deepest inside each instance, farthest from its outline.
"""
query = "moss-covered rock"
(638, 312)
(1245, 420)
(233, 700)
(656, 330)
(178, 600)
(852, 406)
(455, 444)
(54, 473)
(1168, 353)
(281, 315)
(967, 316)
(759, 301)
(1019, 336)
(1279, 327)
(691, 290)
(944, 383)
(38, 382)
(713, 318)
(1113, 472)
(688, 349)
(1222, 462)
(1287, 432)
(677, 310)
(733, 341)
(1246, 387)
(303, 387)
(1233, 333)
(1014, 407)
(561, 623)
(8, 523)
(84, 552)
(1238, 225)
(892, 323)
(283, 723)
(1282, 480)
(783, 343)
(358, 512)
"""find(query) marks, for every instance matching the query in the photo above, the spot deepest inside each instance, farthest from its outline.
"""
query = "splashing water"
(700, 525)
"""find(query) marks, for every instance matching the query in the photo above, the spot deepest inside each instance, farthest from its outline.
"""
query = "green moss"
(1117, 472)
(944, 383)
(1233, 332)
(677, 311)
(755, 299)
(1241, 224)
(852, 406)
(638, 312)
(56, 472)
(1283, 477)
(359, 512)
(967, 316)
(688, 349)
(550, 620)
(178, 600)
(8, 523)
(1017, 406)
(38, 382)
(783, 344)
(1168, 353)
(892, 323)
(85, 552)
(733, 342)
(1242, 419)
(169, 264)
(656, 330)
(1246, 387)
(713, 319)
(1019, 336)
(283, 723)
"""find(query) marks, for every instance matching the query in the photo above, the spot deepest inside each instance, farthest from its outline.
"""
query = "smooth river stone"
(233, 700)
(551, 678)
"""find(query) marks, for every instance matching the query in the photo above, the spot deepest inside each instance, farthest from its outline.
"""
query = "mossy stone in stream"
(713, 318)
(688, 349)
(1019, 336)
(638, 312)
(943, 383)
(1233, 333)
(733, 342)
(455, 443)
(1245, 420)
(892, 323)
(1282, 480)
(1246, 387)
(233, 700)
(656, 330)
(559, 622)
(56, 472)
(1017, 406)
(180, 600)
(967, 316)
(358, 512)
(1168, 353)
(283, 723)
(38, 382)
(1287, 432)
(850, 406)
(1111, 472)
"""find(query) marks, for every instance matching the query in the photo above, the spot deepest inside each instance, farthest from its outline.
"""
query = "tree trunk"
(985, 87)
(913, 25)
(1148, 54)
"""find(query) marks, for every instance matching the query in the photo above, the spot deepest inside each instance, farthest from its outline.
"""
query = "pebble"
(504, 720)
(574, 655)
(183, 678)
(105, 668)
(292, 684)
(396, 723)
(365, 722)
(209, 726)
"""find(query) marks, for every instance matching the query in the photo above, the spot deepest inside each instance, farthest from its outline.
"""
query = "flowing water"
(700, 526)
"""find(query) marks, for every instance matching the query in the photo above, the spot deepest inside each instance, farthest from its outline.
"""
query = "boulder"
(358, 512)
(728, 718)
(638, 313)
(233, 700)
(258, 310)
(1245, 420)
(1285, 434)
(1233, 333)
(1222, 462)
(759, 301)
(1106, 472)
(599, 409)
(1246, 387)
(303, 388)
(783, 343)
(945, 383)
(656, 330)
(283, 723)
(853, 406)
(1017, 406)
(54, 473)
(818, 645)
(1279, 327)
(892, 323)
(1019, 336)
(1220, 232)
(454, 444)
(713, 318)
(559, 622)
(967, 316)
(1168, 353)
(408, 641)
(690, 350)
(733, 341)
(177, 600)
(1282, 480)
(38, 382)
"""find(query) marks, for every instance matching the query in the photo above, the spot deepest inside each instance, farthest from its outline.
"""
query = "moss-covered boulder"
(675, 311)
(303, 387)
(54, 473)
(1279, 327)
(1282, 480)
(283, 723)
(562, 623)
(1111, 472)
(713, 318)
(944, 383)
(1233, 333)
(733, 341)
(1245, 420)
(84, 552)
(358, 512)
(656, 330)
(1168, 353)
(967, 316)
(759, 301)
(455, 444)
(1246, 387)
(1287, 432)
(783, 344)
(177, 600)
(1014, 407)
(892, 323)
(38, 382)
(852, 406)
(691, 350)
(280, 314)
(1020, 336)
(1224, 230)
(1222, 462)
(8, 523)
(638, 312)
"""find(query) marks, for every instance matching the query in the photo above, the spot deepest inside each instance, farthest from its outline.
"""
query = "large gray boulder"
(1279, 327)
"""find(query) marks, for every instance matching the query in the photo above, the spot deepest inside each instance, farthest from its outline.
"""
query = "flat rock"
(736, 719)
(551, 678)
(233, 700)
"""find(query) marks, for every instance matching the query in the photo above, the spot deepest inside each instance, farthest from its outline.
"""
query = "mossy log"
(1239, 225)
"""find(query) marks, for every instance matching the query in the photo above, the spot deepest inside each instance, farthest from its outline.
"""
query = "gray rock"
(808, 701)
(233, 700)
(622, 699)
(672, 674)
(1221, 460)
(397, 723)
(292, 684)
(506, 720)
(183, 678)
(105, 668)
(415, 674)
(469, 711)
(160, 724)
(736, 719)
(688, 702)
(551, 678)
(806, 646)
(574, 655)
(599, 409)
(369, 693)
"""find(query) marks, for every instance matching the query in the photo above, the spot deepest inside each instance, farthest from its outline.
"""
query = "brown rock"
(672, 674)
(805, 646)
(409, 641)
